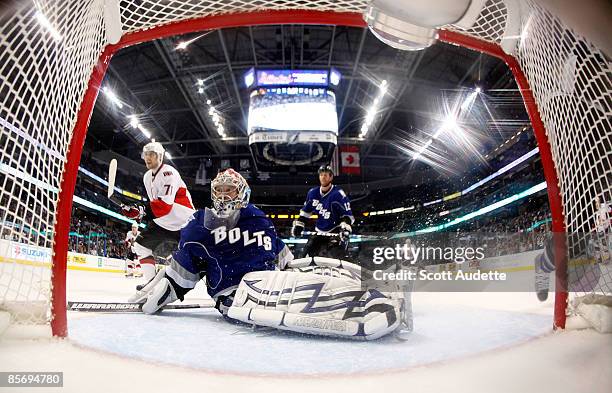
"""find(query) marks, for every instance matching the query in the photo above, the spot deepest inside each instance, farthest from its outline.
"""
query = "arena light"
(450, 122)
(371, 114)
(133, 121)
(112, 97)
(221, 131)
(469, 100)
(144, 131)
(503, 170)
(513, 137)
(44, 22)
(216, 119)
(477, 213)
(383, 86)
(184, 44)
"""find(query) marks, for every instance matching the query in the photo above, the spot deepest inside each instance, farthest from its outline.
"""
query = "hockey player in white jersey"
(170, 207)
(253, 278)
(131, 260)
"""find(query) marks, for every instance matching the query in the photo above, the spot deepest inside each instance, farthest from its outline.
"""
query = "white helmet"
(154, 147)
(229, 192)
(134, 225)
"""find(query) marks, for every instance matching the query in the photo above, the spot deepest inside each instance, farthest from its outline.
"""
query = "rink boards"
(29, 255)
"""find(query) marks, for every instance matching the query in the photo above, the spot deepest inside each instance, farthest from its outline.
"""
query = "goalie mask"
(229, 192)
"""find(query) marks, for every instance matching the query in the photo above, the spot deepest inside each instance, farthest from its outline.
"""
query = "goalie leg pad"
(162, 294)
(312, 303)
(141, 295)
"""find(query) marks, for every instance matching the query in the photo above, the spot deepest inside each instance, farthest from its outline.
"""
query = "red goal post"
(27, 51)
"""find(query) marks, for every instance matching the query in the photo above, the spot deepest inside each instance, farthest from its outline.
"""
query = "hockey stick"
(363, 237)
(126, 307)
(309, 233)
(112, 174)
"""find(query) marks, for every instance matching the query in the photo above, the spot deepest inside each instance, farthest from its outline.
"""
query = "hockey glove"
(133, 212)
(345, 233)
(297, 228)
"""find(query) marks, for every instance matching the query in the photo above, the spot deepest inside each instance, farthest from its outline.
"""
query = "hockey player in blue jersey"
(333, 208)
(221, 244)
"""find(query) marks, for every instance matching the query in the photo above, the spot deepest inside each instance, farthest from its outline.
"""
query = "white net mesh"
(571, 81)
(43, 82)
(48, 50)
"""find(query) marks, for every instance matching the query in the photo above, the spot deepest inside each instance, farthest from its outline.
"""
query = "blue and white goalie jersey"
(225, 253)
(330, 207)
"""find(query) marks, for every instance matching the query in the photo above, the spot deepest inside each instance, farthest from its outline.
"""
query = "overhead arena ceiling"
(159, 83)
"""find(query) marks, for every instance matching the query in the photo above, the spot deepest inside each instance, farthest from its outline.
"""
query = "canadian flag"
(349, 159)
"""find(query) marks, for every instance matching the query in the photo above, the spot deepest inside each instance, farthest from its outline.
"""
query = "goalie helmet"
(229, 192)
(154, 147)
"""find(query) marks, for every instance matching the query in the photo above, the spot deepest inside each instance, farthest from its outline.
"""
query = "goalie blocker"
(320, 296)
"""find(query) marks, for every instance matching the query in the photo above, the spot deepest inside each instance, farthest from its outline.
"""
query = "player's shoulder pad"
(341, 192)
(313, 193)
(251, 211)
(194, 228)
(168, 170)
(148, 174)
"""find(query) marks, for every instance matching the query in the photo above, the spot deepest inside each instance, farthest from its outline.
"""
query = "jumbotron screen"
(293, 109)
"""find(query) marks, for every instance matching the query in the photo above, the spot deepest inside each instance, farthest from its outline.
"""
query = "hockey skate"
(542, 279)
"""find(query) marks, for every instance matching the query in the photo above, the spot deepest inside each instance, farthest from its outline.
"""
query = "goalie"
(235, 246)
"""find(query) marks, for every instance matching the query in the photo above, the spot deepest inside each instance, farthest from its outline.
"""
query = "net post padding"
(351, 19)
(548, 164)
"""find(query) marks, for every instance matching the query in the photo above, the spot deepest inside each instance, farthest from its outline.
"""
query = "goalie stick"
(126, 307)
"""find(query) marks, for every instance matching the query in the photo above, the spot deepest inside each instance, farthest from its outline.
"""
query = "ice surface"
(466, 342)
(204, 340)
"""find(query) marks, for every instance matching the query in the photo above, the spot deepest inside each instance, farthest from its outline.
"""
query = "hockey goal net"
(53, 56)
